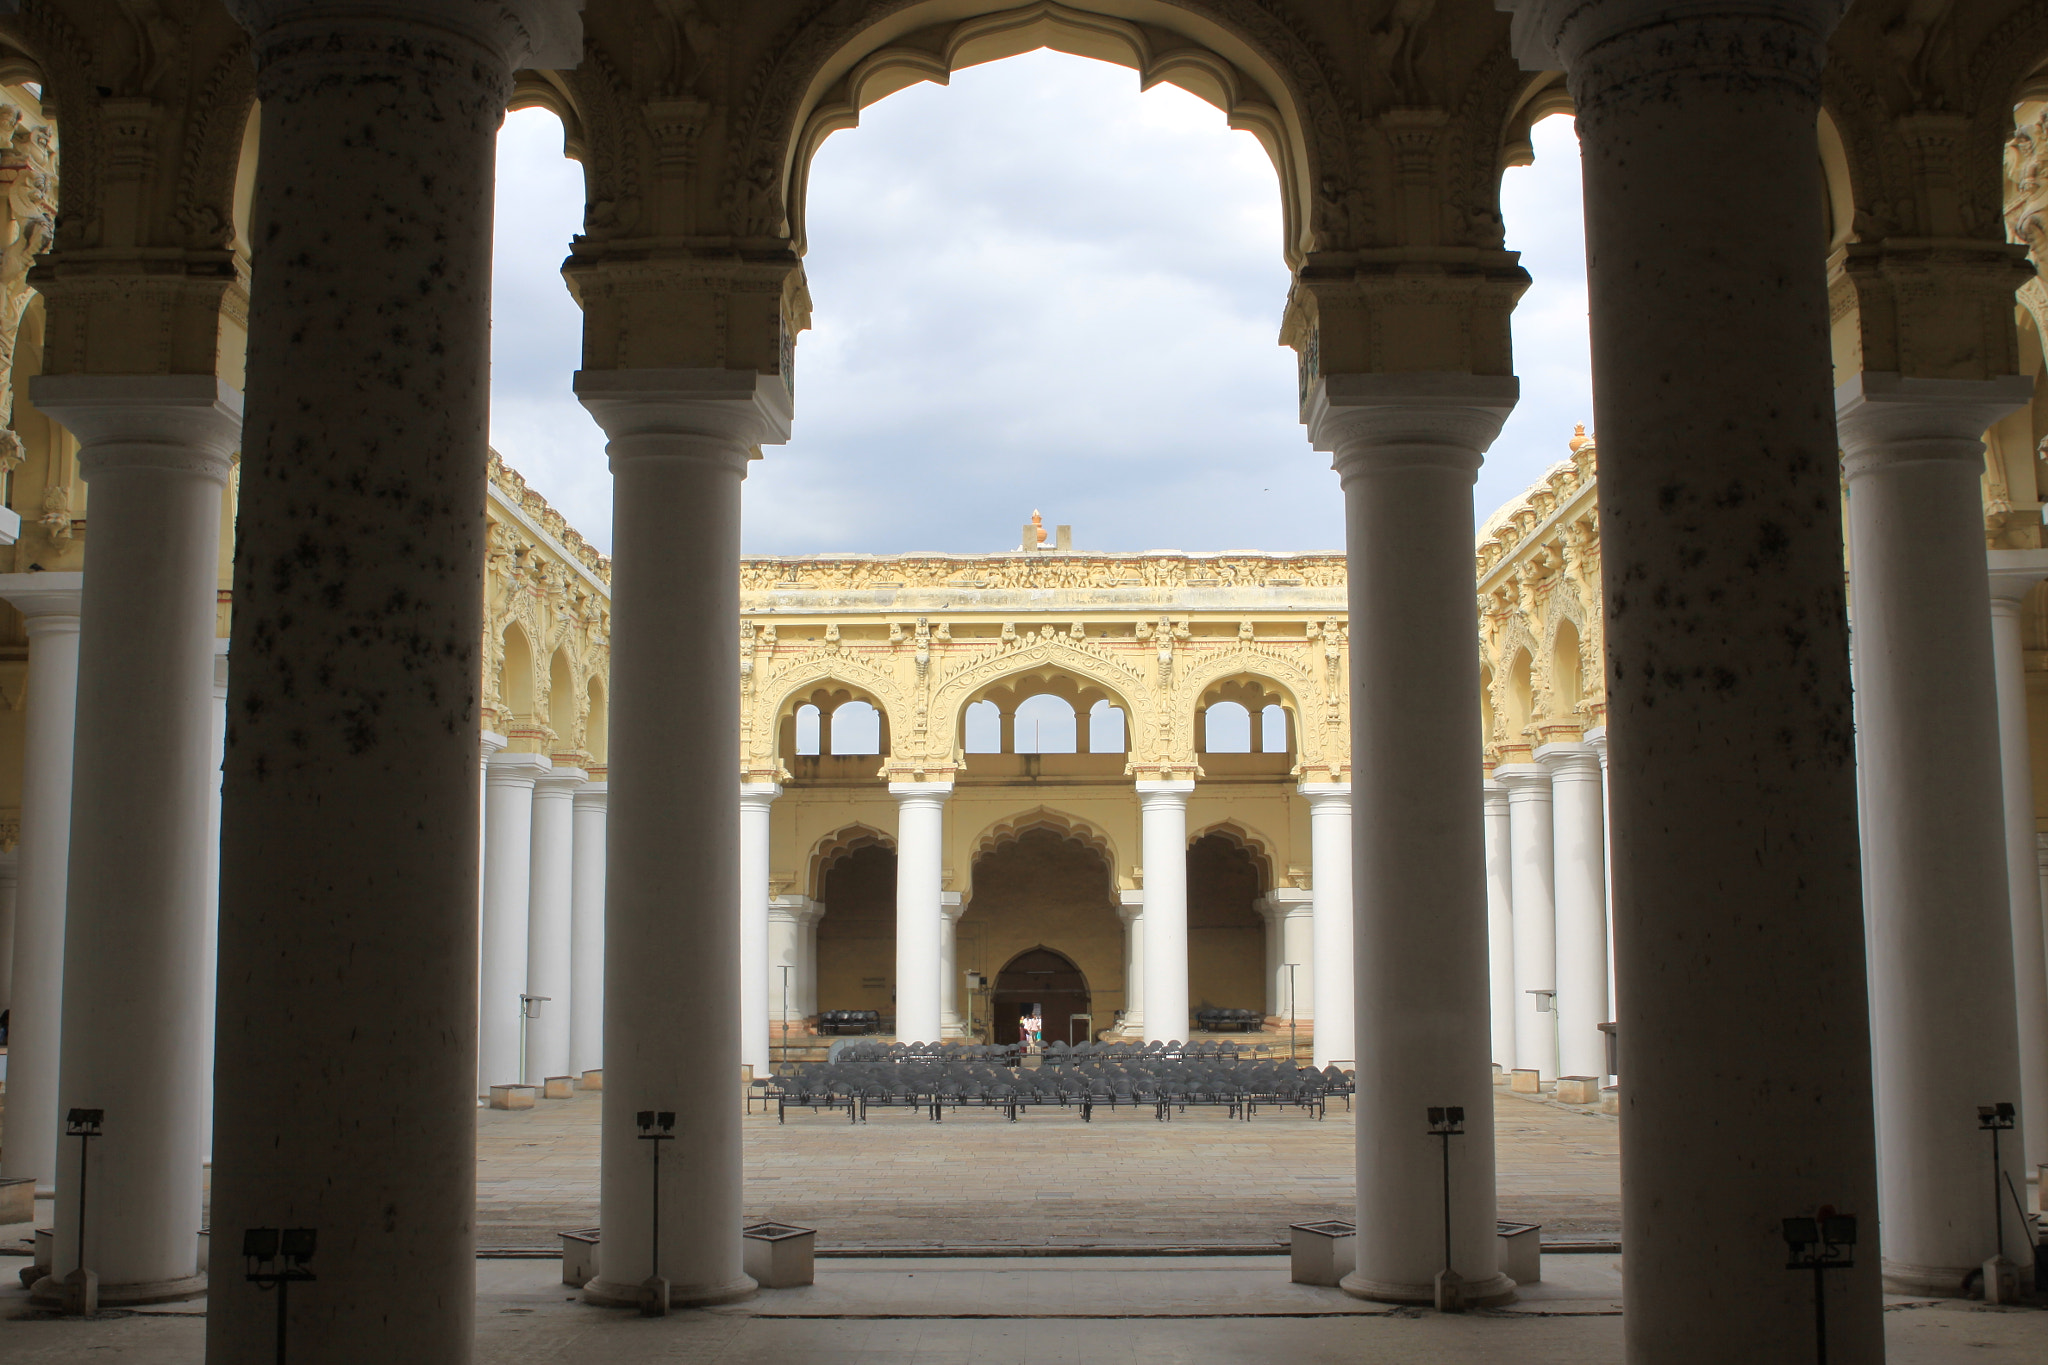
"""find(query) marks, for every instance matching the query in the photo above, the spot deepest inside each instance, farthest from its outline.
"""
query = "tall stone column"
(680, 442)
(1330, 950)
(950, 908)
(10, 887)
(1407, 447)
(1730, 744)
(756, 805)
(920, 855)
(1579, 895)
(813, 912)
(586, 930)
(1597, 738)
(510, 780)
(551, 890)
(1501, 994)
(1270, 917)
(488, 743)
(1297, 948)
(1164, 815)
(49, 601)
(2014, 573)
(209, 951)
(156, 451)
(785, 966)
(1131, 910)
(1532, 853)
(1941, 922)
(352, 747)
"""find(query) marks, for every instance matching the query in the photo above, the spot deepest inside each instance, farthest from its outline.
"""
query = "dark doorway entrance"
(1049, 980)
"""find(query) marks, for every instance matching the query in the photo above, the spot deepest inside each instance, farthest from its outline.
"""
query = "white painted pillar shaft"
(509, 781)
(155, 450)
(1407, 447)
(488, 743)
(586, 931)
(549, 935)
(1270, 916)
(49, 601)
(920, 853)
(950, 908)
(680, 442)
(1532, 853)
(1580, 899)
(785, 967)
(1297, 946)
(1500, 923)
(2014, 573)
(1330, 951)
(209, 953)
(1597, 737)
(1164, 813)
(756, 807)
(1131, 909)
(9, 889)
(1934, 815)
(813, 912)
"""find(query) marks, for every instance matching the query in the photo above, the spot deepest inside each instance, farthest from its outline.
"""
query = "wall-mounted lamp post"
(529, 1008)
(1445, 1124)
(275, 1259)
(82, 1286)
(1820, 1244)
(1995, 1119)
(656, 1128)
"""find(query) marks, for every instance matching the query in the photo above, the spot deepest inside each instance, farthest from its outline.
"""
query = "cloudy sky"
(1035, 288)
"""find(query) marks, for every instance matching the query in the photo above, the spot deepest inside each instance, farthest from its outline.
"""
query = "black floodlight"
(666, 1120)
(260, 1244)
(1820, 1244)
(1839, 1230)
(645, 1118)
(86, 1122)
(1990, 1117)
(297, 1244)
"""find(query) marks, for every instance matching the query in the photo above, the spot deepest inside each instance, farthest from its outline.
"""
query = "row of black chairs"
(1216, 1020)
(850, 1021)
(934, 1083)
(1013, 1053)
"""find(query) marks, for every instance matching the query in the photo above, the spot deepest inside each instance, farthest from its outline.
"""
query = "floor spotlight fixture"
(1820, 1244)
(1446, 1123)
(82, 1287)
(275, 1258)
(1995, 1119)
(657, 1127)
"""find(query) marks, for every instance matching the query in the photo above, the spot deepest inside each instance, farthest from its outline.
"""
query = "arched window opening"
(1519, 700)
(807, 725)
(515, 685)
(856, 729)
(1564, 671)
(984, 725)
(1273, 736)
(597, 725)
(1106, 731)
(1044, 725)
(1486, 705)
(1227, 729)
(562, 698)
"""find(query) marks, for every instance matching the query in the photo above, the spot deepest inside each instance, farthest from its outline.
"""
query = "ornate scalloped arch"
(775, 693)
(1294, 683)
(1123, 683)
(1011, 828)
(833, 60)
(842, 843)
(1256, 845)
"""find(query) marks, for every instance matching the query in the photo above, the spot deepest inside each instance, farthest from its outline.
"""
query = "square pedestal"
(18, 1199)
(1610, 1100)
(1521, 1251)
(779, 1256)
(1578, 1089)
(1527, 1081)
(1322, 1253)
(558, 1088)
(579, 1257)
(592, 1080)
(512, 1097)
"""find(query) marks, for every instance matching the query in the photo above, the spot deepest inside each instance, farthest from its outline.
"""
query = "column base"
(1489, 1293)
(605, 1293)
(1932, 1281)
(48, 1292)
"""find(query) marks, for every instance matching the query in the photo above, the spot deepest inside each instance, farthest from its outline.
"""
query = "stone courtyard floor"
(1048, 1180)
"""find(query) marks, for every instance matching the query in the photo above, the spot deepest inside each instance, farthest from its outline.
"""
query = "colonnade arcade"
(1793, 221)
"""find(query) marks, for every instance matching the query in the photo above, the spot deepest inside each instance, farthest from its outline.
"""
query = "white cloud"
(1035, 288)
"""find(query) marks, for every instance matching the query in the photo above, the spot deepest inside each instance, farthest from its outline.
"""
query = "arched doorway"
(1049, 980)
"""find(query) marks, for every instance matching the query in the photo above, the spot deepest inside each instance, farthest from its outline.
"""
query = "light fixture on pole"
(276, 1259)
(2001, 1277)
(82, 1286)
(657, 1128)
(1820, 1244)
(529, 1008)
(1444, 1124)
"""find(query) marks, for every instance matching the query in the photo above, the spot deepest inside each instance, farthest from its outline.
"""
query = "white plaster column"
(1330, 949)
(813, 912)
(1737, 922)
(1164, 813)
(1579, 896)
(1934, 813)
(155, 450)
(2014, 573)
(1500, 923)
(49, 602)
(1270, 916)
(348, 987)
(509, 782)
(586, 930)
(1597, 737)
(551, 889)
(1532, 853)
(785, 950)
(757, 801)
(488, 743)
(209, 952)
(1407, 447)
(920, 856)
(950, 908)
(1296, 911)
(1131, 910)
(9, 889)
(680, 443)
